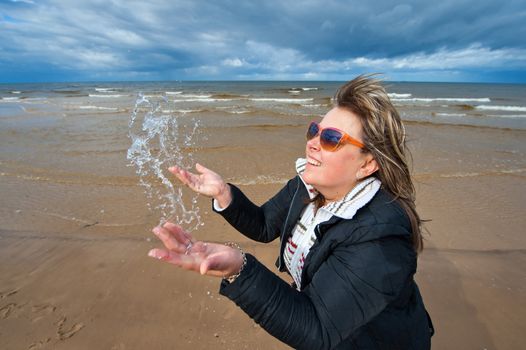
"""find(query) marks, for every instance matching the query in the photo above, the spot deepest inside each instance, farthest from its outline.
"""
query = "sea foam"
(10, 99)
(107, 96)
(440, 99)
(502, 108)
(395, 95)
(99, 108)
(283, 100)
(104, 89)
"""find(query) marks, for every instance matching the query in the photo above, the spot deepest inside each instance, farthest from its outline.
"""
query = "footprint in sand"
(39, 344)
(5, 311)
(64, 334)
(8, 293)
(42, 310)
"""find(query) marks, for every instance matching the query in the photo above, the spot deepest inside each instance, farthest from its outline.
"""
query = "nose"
(314, 143)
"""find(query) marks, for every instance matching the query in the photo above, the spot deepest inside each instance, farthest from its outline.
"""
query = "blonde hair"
(385, 138)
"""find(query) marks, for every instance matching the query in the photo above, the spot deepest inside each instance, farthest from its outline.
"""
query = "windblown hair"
(384, 137)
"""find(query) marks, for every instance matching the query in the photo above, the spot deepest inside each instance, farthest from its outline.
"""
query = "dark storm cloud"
(415, 40)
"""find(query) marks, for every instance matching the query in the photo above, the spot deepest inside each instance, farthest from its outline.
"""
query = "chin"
(308, 178)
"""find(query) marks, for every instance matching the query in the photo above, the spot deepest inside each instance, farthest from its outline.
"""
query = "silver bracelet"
(232, 278)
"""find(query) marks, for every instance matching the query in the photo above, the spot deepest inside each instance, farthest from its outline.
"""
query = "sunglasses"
(331, 139)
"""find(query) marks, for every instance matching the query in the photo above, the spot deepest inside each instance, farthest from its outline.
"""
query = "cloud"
(474, 56)
(313, 39)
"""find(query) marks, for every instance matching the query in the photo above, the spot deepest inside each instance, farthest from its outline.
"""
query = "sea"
(467, 104)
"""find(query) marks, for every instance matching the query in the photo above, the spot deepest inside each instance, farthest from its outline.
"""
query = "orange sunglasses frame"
(346, 138)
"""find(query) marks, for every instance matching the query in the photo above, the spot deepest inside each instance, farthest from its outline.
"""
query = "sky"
(149, 40)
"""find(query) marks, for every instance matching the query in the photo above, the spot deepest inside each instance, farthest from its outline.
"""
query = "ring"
(188, 247)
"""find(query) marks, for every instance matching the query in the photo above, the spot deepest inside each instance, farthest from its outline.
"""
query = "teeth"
(313, 162)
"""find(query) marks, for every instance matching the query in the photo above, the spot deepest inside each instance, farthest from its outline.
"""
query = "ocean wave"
(173, 92)
(440, 99)
(202, 100)
(99, 108)
(105, 89)
(284, 100)
(195, 96)
(152, 95)
(16, 92)
(23, 99)
(294, 92)
(230, 109)
(242, 111)
(309, 88)
(107, 96)
(10, 99)
(183, 111)
(313, 105)
(227, 96)
(268, 126)
(395, 95)
(502, 108)
(450, 114)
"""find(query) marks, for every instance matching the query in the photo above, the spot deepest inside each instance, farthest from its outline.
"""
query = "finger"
(186, 262)
(202, 169)
(189, 179)
(179, 233)
(160, 254)
(181, 174)
(177, 172)
(174, 168)
(170, 241)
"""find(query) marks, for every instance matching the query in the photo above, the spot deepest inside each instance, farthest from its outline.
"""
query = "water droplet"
(160, 139)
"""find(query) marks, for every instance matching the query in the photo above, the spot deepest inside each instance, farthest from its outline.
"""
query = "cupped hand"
(207, 183)
(182, 250)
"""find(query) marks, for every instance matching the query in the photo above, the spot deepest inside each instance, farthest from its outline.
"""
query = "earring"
(358, 176)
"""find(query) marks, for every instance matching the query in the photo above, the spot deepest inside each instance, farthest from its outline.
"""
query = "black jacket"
(357, 290)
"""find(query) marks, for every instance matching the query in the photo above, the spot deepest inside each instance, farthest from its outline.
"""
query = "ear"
(368, 167)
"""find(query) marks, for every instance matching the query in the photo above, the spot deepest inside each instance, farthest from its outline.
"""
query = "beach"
(75, 225)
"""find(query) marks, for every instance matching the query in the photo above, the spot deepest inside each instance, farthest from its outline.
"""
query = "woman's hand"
(184, 251)
(206, 183)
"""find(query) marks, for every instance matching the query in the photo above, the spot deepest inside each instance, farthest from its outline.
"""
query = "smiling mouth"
(313, 162)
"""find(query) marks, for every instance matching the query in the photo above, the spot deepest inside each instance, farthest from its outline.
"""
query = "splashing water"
(159, 136)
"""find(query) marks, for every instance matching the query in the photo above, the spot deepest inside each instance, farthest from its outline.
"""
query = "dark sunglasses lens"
(312, 131)
(330, 138)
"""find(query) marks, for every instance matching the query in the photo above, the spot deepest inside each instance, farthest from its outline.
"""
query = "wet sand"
(75, 231)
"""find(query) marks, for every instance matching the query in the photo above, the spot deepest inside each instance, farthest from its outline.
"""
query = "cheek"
(337, 169)
(341, 169)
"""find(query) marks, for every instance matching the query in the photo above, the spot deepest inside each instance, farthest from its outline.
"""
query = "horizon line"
(250, 81)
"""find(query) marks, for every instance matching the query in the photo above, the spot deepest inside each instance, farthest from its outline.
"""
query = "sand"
(75, 232)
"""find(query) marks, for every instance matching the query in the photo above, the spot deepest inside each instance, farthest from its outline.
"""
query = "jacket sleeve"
(260, 223)
(353, 285)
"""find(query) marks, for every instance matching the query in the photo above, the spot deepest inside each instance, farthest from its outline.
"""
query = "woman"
(349, 234)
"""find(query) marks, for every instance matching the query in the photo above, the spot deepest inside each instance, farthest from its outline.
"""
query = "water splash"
(162, 137)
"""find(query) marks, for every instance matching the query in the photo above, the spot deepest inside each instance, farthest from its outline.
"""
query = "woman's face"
(334, 174)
